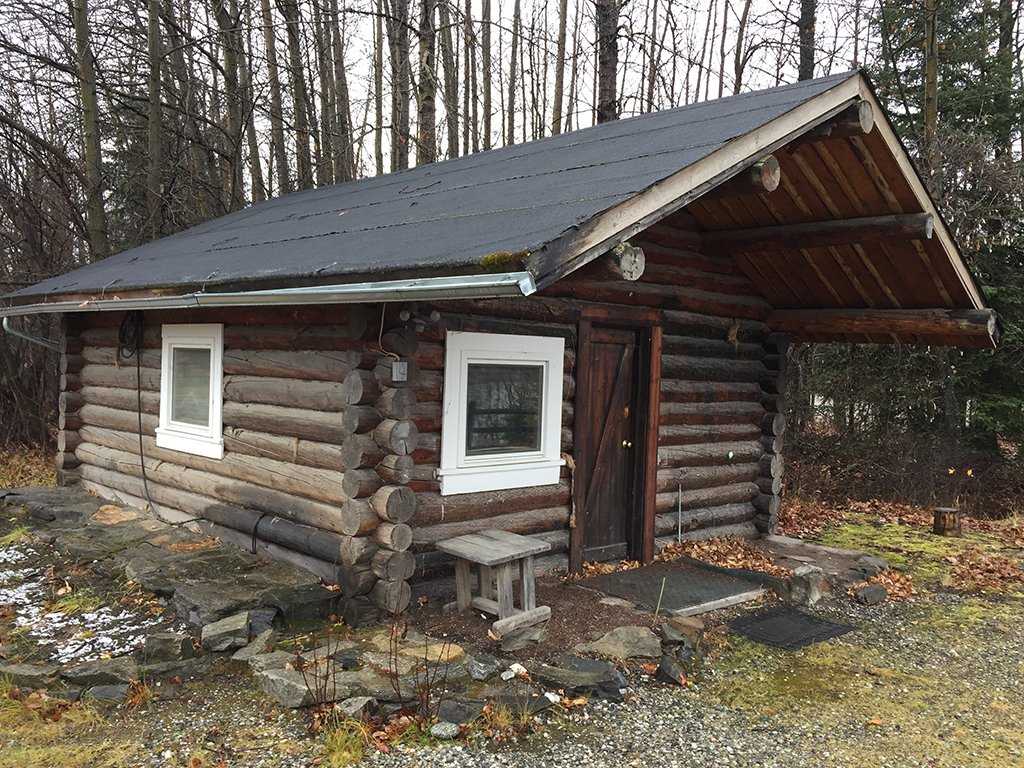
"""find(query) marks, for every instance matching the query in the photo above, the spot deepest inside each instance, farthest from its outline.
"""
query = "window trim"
(462, 473)
(180, 436)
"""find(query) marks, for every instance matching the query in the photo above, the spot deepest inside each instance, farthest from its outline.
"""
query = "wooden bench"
(496, 553)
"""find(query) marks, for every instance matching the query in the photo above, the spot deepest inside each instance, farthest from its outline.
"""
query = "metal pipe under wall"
(27, 337)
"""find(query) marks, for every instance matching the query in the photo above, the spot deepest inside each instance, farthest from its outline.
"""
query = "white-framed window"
(501, 425)
(191, 400)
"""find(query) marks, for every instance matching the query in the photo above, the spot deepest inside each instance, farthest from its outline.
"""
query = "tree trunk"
(805, 35)
(485, 44)
(154, 162)
(607, 22)
(228, 24)
(378, 88)
(344, 155)
(556, 107)
(96, 217)
(397, 23)
(300, 98)
(512, 71)
(449, 63)
(278, 149)
(259, 187)
(426, 96)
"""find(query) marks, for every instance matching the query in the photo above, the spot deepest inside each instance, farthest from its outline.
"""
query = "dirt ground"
(930, 680)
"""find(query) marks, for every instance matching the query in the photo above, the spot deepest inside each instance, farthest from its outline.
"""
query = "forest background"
(124, 121)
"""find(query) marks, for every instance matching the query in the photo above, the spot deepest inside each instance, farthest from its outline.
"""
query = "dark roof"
(441, 218)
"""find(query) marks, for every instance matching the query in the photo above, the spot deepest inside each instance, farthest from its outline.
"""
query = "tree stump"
(946, 521)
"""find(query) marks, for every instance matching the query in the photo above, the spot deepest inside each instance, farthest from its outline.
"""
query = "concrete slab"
(687, 591)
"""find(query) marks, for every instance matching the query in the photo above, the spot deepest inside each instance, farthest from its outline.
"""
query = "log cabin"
(581, 339)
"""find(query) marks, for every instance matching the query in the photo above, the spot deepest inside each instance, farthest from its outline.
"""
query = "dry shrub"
(21, 467)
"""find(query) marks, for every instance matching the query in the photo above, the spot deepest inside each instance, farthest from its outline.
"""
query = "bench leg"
(463, 584)
(527, 586)
(486, 584)
(504, 583)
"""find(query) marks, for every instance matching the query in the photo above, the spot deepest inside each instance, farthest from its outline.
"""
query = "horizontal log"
(324, 427)
(68, 421)
(102, 450)
(69, 402)
(67, 478)
(391, 596)
(121, 378)
(401, 341)
(709, 282)
(702, 325)
(299, 538)
(288, 449)
(428, 448)
(980, 325)
(771, 465)
(669, 523)
(361, 451)
(384, 371)
(760, 178)
(429, 356)
(70, 343)
(817, 234)
(146, 358)
(694, 346)
(532, 521)
(68, 440)
(394, 536)
(357, 549)
(360, 612)
(623, 262)
(679, 391)
(735, 493)
(360, 387)
(356, 580)
(396, 437)
(693, 478)
(688, 434)
(326, 571)
(708, 454)
(396, 470)
(713, 369)
(711, 413)
(121, 420)
(359, 483)
(768, 504)
(433, 508)
(70, 363)
(772, 444)
(356, 518)
(769, 485)
(304, 364)
(292, 393)
(114, 430)
(395, 403)
(745, 530)
(428, 386)
(394, 503)
(122, 399)
(66, 461)
(69, 382)
(664, 297)
(774, 424)
(360, 419)
(393, 566)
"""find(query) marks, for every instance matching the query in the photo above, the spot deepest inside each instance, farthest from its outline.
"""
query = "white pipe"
(449, 287)
(8, 328)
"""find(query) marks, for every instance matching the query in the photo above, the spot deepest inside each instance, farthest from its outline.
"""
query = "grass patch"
(23, 467)
(345, 742)
(76, 602)
(43, 731)
(18, 534)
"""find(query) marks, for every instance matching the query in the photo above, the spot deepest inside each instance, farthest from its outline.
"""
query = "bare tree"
(607, 22)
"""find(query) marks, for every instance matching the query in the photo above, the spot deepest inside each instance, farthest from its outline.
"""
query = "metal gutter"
(449, 287)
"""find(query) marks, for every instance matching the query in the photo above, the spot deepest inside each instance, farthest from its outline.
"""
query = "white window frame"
(180, 436)
(461, 473)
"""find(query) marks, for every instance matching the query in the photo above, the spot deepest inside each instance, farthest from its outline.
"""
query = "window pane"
(190, 386)
(503, 408)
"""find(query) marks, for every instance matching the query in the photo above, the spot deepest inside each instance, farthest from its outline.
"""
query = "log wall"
(332, 461)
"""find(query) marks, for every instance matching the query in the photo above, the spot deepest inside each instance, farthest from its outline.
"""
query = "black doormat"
(785, 627)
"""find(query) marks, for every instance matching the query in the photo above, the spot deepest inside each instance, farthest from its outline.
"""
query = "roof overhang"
(419, 289)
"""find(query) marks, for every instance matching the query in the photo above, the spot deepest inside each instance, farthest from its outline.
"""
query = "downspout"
(27, 337)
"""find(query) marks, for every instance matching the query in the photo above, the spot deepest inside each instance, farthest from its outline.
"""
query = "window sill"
(499, 477)
(197, 446)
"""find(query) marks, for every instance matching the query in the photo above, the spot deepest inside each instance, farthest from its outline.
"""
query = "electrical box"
(399, 370)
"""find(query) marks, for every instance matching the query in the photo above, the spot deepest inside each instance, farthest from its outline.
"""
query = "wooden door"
(610, 444)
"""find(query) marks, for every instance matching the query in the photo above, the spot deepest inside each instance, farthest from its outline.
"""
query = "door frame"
(647, 323)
